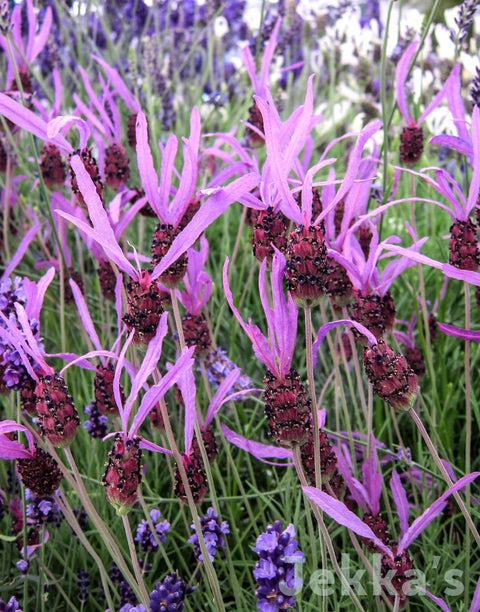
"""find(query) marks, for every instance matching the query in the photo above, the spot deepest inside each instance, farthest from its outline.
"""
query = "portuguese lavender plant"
(213, 532)
(275, 570)
(287, 406)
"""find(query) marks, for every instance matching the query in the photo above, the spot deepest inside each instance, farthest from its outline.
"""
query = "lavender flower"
(149, 541)
(169, 595)
(38, 469)
(96, 425)
(213, 533)
(83, 582)
(275, 570)
(287, 407)
(10, 606)
(396, 558)
(463, 20)
(42, 510)
(219, 367)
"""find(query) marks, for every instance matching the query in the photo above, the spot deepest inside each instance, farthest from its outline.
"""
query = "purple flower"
(25, 54)
(411, 139)
(219, 366)
(149, 541)
(342, 515)
(124, 463)
(11, 605)
(213, 532)
(169, 595)
(97, 424)
(275, 570)
(276, 352)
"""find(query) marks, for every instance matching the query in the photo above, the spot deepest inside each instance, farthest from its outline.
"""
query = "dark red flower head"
(197, 479)
(255, 141)
(146, 304)
(162, 240)
(287, 409)
(91, 167)
(306, 267)
(464, 251)
(117, 166)
(196, 333)
(392, 378)
(57, 416)
(123, 473)
(52, 167)
(411, 145)
(104, 396)
(40, 473)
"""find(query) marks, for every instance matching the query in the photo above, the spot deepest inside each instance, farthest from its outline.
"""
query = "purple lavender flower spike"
(275, 570)
(213, 532)
(10, 606)
(148, 540)
(411, 139)
(123, 470)
(169, 595)
(38, 469)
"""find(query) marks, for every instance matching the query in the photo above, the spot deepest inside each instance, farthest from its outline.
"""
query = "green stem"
(468, 432)
(103, 530)
(446, 477)
(311, 389)
(134, 558)
(211, 575)
(178, 318)
(61, 501)
(324, 531)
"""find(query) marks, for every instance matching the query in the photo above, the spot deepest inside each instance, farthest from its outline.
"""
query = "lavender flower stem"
(134, 558)
(237, 242)
(323, 529)
(468, 431)
(446, 477)
(211, 575)
(178, 319)
(102, 528)
(6, 208)
(396, 606)
(230, 460)
(311, 389)
(67, 512)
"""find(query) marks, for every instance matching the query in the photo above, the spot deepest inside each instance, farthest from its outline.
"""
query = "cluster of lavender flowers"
(213, 532)
(275, 570)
